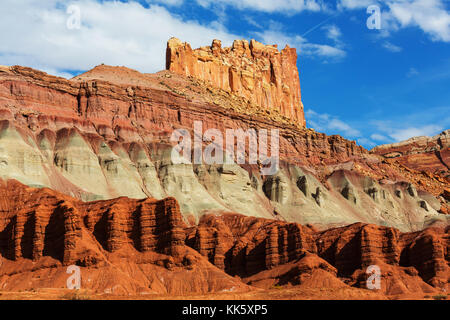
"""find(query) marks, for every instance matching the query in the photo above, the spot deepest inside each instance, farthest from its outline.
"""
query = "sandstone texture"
(106, 134)
(122, 246)
(428, 154)
(87, 178)
(142, 248)
(259, 73)
(267, 253)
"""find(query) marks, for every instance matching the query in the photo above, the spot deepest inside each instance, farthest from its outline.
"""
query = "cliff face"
(260, 73)
(429, 154)
(152, 225)
(123, 246)
(134, 247)
(265, 252)
(106, 134)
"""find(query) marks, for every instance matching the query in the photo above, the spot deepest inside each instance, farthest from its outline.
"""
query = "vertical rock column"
(72, 233)
(272, 249)
(161, 226)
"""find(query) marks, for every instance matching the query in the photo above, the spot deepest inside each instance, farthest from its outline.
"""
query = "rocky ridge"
(422, 156)
(429, 154)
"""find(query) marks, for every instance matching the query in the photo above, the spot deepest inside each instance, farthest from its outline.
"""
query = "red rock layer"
(145, 113)
(148, 225)
(122, 235)
(429, 253)
(42, 104)
(359, 246)
(129, 110)
(261, 244)
(431, 155)
(245, 245)
(42, 222)
(260, 73)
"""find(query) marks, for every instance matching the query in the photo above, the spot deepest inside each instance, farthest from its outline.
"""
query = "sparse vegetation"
(440, 297)
(277, 286)
(76, 295)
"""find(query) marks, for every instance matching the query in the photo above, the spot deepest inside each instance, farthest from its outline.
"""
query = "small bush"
(440, 297)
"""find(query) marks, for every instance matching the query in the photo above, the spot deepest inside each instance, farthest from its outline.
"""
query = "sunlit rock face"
(20, 157)
(429, 154)
(260, 73)
(106, 134)
(130, 247)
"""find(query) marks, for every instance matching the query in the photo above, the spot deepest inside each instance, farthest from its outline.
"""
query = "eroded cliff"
(106, 134)
(142, 247)
(260, 73)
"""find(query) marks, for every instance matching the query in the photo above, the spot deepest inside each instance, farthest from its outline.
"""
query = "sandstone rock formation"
(260, 73)
(106, 134)
(123, 246)
(87, 177)
(423, 157)
(268, 253)
(142, 247)
(429, 154)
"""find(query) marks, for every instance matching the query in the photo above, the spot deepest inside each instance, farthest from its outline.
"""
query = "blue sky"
(372, 86)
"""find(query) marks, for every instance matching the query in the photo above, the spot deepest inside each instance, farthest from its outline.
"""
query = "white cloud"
(404, 134)
(166, 2)
(354, 4)
(342, 126)
(431, 16)
(286, 6)
(113, 33)
(304, 47)
(333, 33)
(253, 22)
(379, 137)
(411, 126)
(391, 129)
(391, 47)
(330, 124)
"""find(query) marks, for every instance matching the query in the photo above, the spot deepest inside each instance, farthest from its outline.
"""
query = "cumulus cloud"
(109, 34)
(431, 16)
